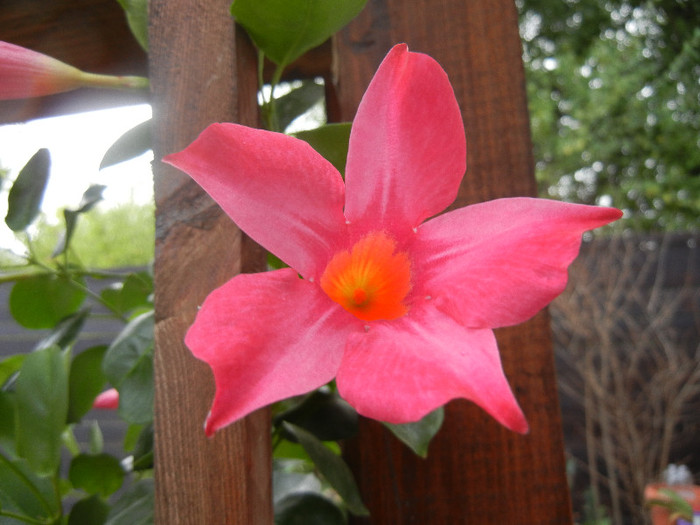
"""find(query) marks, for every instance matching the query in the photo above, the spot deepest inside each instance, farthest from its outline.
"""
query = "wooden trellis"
(203, 70)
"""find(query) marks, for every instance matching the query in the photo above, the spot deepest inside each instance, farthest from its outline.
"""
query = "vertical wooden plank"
(201, 72)
(477, 471)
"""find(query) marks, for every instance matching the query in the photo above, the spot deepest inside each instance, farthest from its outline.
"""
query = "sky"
(77, 143)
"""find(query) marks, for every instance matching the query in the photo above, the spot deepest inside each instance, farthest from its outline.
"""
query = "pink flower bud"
(25, 73)
(107, 400)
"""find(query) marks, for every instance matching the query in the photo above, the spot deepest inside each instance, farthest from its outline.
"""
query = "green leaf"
(131, 144)
(331, 141)
(308, 508)
(285, 483)
(43, 300)
(64, 334)
(128, 366)
(92, 196)
(10, 366)
(143, 449)
(86, 381)
(96, 439)
(89, 511)
(332, 467)
(137, 17)
(25, 493)
(419, 434)
(27, 191)
(42, 407)
(96, 473)
(8, 410)
(297, 102)
(285, 29)
(135, 506)
(133, 292)
(324, 414)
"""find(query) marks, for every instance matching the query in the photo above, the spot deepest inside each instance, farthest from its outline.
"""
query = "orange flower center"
(371, 280)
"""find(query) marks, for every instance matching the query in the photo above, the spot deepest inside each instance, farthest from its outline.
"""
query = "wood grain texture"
(477, 471)
(202, 71)
(92, 35)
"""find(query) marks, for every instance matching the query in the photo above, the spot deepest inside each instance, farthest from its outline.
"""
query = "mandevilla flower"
(398, 309)
(25, 73)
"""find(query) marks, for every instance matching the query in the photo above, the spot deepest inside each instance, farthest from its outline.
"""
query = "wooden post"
(477, 471)
(202, 72)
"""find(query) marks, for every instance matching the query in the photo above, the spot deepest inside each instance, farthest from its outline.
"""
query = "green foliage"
(333, 469)
(613, 90)
(417, 436)
(131, 144)
(27, 191)
(137, 17)
(128, 366)
(285, 29)
(116, 237)
(42, 406)
(41, 301)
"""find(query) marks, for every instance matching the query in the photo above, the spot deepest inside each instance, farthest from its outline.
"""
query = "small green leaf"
(92, 196)
(297, 102)
(10, 366)
(419, 434)
(64, 334)
(308, 508)
(137, 17)
(135, 506)
(143, 450)
(27, 191)
(128, 366)
(42, 407)
(324, 414)
(96, 474)
(25, 493)
(133, 292)
(331, 141)
(96, 439)
(131, 144)
(92, 510)
(332, 467)
(285, 29)
(41, 301)
(86, 381)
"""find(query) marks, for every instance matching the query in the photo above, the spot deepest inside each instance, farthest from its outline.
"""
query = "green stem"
(114, 82)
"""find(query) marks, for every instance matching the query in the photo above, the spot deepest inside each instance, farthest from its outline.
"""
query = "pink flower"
(398, 309)
(25, 73)
(107, 400)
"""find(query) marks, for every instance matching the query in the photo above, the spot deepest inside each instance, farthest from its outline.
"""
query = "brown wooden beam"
(477, 471)
(202, 71)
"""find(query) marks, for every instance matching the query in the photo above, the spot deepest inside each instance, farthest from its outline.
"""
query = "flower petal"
(407, 152)
(399, 371)
(275, 188)
(498, 263)
(267, 337)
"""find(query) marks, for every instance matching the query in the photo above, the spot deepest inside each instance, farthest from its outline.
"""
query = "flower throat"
(371, 280)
